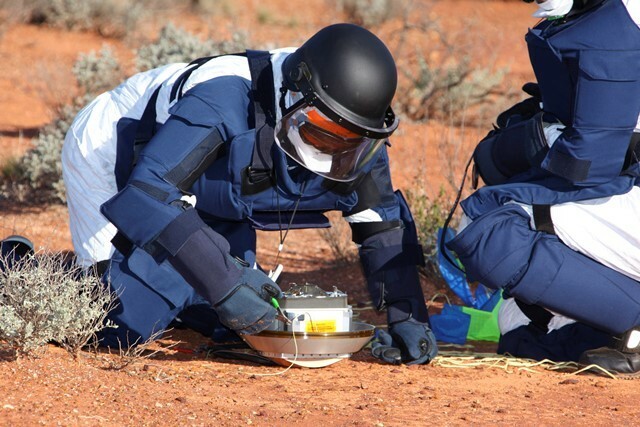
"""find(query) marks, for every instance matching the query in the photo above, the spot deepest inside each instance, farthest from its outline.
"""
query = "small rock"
(569, 381)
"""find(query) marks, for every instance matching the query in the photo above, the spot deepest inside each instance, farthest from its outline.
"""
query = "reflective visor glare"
(323, 146)
(326, 142)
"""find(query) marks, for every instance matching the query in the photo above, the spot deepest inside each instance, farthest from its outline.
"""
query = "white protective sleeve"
(88, 161)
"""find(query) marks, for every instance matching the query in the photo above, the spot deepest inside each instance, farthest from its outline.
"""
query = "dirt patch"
(180, 385)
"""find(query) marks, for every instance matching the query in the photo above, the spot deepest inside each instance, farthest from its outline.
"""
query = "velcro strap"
(121, 243)
(542, 218)
(185, 173)
(360, 231)
(566, 166)
(174, 236)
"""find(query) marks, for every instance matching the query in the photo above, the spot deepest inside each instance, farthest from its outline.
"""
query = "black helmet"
(348, 77)
(348, 73)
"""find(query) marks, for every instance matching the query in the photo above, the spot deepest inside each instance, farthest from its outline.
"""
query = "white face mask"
(553, 8)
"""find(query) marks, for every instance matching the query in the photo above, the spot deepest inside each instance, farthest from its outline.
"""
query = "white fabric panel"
(633, 6)
(511, 317)
(605, 230)
(368, 215)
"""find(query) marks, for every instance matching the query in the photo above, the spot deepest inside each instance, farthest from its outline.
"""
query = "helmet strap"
(283, 94)
(283, 106)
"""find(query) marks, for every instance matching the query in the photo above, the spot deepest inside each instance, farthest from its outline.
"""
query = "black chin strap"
(283, 105)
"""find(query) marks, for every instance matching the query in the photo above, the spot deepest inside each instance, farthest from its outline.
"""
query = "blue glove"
(409, 342)
(247, 308)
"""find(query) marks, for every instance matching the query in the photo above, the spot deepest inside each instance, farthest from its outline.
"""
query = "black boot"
(623, 357)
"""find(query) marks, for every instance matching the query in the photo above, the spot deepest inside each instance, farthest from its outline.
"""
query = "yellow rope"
(510, 364)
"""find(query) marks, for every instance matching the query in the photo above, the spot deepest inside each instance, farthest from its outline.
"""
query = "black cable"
(293, 214)
(447, 221)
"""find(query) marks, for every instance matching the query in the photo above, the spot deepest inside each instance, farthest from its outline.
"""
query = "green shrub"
(446, 90)
(37, 176)
(429, 214)
(43, 299)
(367, 13)
(42, 165)
(97, 72)
(177, 45)
(114, 18)
(338, 237)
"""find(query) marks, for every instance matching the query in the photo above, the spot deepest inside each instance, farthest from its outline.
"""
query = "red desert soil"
(181, 387)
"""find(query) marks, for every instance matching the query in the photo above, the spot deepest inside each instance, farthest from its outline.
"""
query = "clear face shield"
(324, 147)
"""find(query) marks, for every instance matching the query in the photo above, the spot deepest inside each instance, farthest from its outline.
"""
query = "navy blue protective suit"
(170, 255)
(587, 69)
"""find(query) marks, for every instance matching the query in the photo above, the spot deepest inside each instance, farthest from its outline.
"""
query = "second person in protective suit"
(170, 174)
(556, 227)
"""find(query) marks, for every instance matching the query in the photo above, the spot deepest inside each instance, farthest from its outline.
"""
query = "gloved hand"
(247, 308)
(523, 110)
(409, 342)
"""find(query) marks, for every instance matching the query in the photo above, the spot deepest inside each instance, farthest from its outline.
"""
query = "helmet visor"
(323, 146)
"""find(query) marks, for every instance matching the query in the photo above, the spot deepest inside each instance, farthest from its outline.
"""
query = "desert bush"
(39, 171)
(429, 214)
(97, 72)
(37, 176)
(442, 84)
(44, 299)
(338, 237)
(41, 167)
(113, 18)
(446, 90)
(367, 13)
(438, 79)
(177, 45)
(136, 351)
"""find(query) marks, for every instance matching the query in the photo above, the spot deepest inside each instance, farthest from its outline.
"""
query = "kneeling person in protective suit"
(206, 153)
(563, 175)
